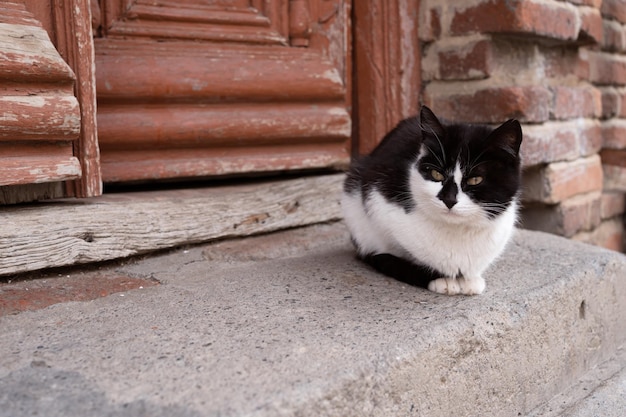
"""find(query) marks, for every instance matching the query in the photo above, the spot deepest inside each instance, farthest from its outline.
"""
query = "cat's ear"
(508, 137)
(430, 125)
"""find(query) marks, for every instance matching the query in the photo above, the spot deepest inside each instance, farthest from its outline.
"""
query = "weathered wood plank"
(119, 225)
(15, 194)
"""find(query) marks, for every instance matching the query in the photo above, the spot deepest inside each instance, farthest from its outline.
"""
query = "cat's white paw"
(454, 286)
(448, 286)
(472, 286)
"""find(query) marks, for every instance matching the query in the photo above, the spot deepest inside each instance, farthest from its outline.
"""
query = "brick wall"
(559, 67)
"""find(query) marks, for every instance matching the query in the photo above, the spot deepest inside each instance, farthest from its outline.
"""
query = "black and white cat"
(435, 203)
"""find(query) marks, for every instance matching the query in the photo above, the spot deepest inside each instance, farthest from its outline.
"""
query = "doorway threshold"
(118, 225)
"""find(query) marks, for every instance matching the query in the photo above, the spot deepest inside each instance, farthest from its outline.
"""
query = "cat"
(434, 204)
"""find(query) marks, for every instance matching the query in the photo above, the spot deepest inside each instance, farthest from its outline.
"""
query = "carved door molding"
(239, 21)
(203, 88)
(48, 144)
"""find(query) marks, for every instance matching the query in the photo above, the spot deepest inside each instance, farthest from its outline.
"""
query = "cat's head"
(467, 171)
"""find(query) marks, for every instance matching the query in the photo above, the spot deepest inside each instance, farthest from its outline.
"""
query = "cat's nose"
(448, 193)
(449, 202)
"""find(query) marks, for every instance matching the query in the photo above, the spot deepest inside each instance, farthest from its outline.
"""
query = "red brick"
(614, 9)
(613, 204)
(614, 134)
(590, 139)
(467, 62)
(614, 157)
(621, 95)
(609, 234)
(572, 102)
(613, 103)
(559, 181)
(560, 141)
(430, 24)
(607, 68)
(549, 142)
(593, 3)
(550, 19)
(567, 218)
(610, 103)
(591, 25)
(614, 178)
(565, 62)
(492, 105)
(614, 36)
(581, 213)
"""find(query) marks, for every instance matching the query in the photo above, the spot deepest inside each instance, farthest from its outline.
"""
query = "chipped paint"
(24, 49)
(8, 117)
(332, 75)
(30, 101)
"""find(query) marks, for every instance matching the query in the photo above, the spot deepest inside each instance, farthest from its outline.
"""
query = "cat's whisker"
(433, 153)
(475, 164)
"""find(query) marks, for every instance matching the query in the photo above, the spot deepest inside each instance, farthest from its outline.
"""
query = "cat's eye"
(474, 180)
(436, 175)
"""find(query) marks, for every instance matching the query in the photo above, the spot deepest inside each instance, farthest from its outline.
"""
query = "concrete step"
(601, 392)
(292, 324)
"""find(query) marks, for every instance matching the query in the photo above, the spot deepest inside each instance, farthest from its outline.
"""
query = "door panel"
(203, 88)
(239, 21)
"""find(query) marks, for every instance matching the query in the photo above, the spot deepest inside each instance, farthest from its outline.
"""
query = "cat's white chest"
(447, 245)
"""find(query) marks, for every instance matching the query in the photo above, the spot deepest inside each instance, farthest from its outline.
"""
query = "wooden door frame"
(70, 30)
(386, 57)
(74, 41)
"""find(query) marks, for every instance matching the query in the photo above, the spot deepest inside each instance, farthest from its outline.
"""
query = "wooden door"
(195, 88)
(48, 145)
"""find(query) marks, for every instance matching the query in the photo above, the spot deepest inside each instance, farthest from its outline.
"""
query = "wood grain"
(152, 164)
(177, 71)
(74, 40)
(387, 73)
(119, 225)
(184, 126)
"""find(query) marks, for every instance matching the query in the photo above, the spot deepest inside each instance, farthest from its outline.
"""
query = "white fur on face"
(425, 192)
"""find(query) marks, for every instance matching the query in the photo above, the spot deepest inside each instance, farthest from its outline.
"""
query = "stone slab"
(291, 324)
